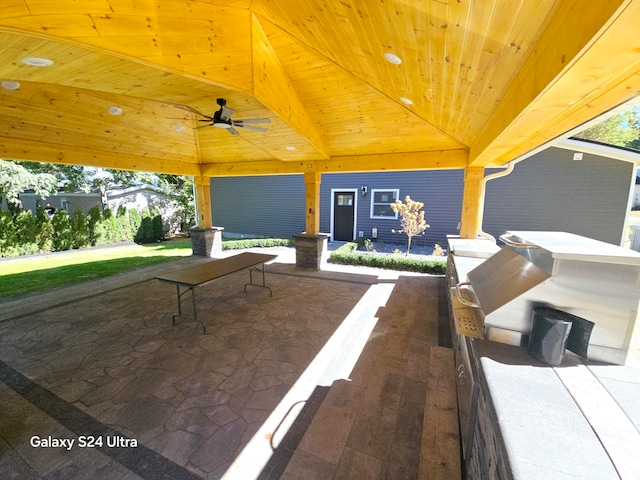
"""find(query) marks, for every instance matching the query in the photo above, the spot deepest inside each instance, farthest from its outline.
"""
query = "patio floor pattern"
(109, 364)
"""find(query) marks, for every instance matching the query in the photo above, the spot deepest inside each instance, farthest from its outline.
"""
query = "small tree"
(411, 218)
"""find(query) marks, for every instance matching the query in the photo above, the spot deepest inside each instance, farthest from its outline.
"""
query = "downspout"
(509, 168)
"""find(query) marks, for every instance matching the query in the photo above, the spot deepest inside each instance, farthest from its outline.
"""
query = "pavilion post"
(472, 202)
(311, 245)
(206, 240)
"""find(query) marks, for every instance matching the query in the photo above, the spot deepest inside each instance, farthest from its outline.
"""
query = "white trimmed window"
(381, 201)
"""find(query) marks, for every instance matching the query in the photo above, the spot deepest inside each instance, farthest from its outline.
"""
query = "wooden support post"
(312, 182)
(203, 201)
(472, 202)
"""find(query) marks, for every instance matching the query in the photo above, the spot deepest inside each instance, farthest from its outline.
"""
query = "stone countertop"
(551, 424)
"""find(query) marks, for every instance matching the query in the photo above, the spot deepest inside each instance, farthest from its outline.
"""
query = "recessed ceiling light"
(180, 128)
(37, 62)
(10, 85)
(291, 148)
(392, 58)
(115, 111)
(406, 101)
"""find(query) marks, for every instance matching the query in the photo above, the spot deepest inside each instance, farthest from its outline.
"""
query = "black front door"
(343, 210)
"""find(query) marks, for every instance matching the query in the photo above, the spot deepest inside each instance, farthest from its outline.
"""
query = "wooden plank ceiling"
(480, 82)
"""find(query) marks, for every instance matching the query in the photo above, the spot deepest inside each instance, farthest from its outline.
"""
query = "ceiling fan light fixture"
(115, 111)
(221, 125)
(37, 62)
(392, 58)
(10, 85)
(406, 101)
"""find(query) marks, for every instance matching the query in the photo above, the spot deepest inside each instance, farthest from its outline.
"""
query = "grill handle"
(505, 239)
(464, 301)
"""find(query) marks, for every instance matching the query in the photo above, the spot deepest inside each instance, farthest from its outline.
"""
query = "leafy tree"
(623, 130)
(411, 218)
(14, 179)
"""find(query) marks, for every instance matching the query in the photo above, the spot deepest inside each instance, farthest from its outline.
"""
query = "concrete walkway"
(326, 379)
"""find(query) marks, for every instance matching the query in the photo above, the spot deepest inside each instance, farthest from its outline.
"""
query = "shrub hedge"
(348, 255)
(24, 233)
(256, 242)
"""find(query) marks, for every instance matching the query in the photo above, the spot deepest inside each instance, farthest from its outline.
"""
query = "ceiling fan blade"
(225, 113)
(253, 120)
(204, 126)
(251, 127)
(192, 110)
(232, 131)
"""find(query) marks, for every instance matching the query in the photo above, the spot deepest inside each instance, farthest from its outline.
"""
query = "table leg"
(264, 285)
(193, 302)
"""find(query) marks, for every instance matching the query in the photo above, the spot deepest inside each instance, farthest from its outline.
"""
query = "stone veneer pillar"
(206, 242)
(310, 250)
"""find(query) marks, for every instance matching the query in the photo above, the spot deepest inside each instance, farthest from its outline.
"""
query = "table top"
(205, 272)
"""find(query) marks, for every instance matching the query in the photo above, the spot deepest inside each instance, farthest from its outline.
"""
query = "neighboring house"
(547, 191)
(138, 197)
(636, 194)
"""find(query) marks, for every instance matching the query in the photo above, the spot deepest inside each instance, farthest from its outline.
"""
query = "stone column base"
(310, 250)
(206, 242)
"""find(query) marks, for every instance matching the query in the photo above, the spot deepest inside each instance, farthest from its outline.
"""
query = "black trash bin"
(550, 331)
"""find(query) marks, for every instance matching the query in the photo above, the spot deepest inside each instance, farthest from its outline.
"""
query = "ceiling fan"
(222, 118)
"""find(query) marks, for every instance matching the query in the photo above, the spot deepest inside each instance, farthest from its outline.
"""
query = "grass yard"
(37, 273)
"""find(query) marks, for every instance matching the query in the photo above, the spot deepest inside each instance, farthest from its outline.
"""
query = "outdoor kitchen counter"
(533, 421)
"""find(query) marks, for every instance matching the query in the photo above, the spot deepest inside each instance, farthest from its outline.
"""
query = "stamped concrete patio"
(326, 379)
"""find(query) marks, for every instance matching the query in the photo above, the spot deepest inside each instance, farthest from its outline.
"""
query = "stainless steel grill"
(587, 278)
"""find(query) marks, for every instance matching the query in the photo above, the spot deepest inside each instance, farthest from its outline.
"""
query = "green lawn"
(37, 273)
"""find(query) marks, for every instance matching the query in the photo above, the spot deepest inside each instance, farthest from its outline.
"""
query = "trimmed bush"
(158, 228)
(126, 232)
(44, 237)
(62, 235)
(27, 232)
(134, 221)
(79, 229)
(347, 255)
(8, 237)
(256, 242)
(96, 232)
(145, 232)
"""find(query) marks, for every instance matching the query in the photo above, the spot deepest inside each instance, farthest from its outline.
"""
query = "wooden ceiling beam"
(432, 160)
(583, 49)
(25, 150)
(273, 88)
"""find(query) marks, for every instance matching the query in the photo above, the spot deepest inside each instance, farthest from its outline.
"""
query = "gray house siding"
(439, 190)
(550, 191)
(253, 206)
(274, 206)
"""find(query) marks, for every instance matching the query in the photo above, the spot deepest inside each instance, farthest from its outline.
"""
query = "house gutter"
(509, 168)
